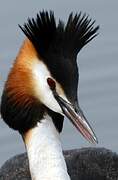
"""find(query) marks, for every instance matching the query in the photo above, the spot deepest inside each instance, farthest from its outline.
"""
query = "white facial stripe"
(41, 88)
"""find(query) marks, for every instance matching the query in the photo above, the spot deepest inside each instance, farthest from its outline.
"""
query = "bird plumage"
(19, 107)
(83, 164)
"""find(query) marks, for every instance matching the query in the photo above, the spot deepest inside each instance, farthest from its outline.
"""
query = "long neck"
(45, 155)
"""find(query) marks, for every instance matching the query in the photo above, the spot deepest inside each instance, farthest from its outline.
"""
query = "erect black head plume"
(68, 39)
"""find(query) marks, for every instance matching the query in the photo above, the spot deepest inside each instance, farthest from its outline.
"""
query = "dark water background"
(98, 65)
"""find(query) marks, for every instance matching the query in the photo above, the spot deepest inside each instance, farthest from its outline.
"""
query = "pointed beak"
(77, 118)
(75, 114)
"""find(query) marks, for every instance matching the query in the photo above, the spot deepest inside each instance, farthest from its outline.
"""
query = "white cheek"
(41, 88)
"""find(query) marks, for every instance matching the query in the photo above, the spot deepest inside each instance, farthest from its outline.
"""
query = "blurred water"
(98, 67)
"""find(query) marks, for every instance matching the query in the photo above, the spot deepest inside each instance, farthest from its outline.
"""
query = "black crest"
(67, 38)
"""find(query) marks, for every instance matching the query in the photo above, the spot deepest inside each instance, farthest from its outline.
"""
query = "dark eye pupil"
(51, 83)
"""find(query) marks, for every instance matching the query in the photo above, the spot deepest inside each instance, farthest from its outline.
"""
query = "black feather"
(79, 31)
(67, 39)
(18, 117)
(41, 31)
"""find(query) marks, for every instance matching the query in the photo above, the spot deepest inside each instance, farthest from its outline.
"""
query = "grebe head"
(44, 78)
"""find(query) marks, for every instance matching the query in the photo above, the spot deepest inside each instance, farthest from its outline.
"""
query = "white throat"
(45, 155)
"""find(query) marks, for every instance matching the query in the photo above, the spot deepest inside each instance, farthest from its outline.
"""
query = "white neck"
(45, 155)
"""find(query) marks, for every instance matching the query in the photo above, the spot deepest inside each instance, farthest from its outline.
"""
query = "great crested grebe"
(42, 88)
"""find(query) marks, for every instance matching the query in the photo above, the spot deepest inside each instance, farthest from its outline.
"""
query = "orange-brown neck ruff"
(20, 109)
(19, 83)
(20, 80)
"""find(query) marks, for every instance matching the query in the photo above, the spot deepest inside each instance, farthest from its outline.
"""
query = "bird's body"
(82, 164)
(42, 87)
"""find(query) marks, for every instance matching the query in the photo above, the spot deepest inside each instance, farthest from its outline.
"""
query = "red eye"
(51, 83)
